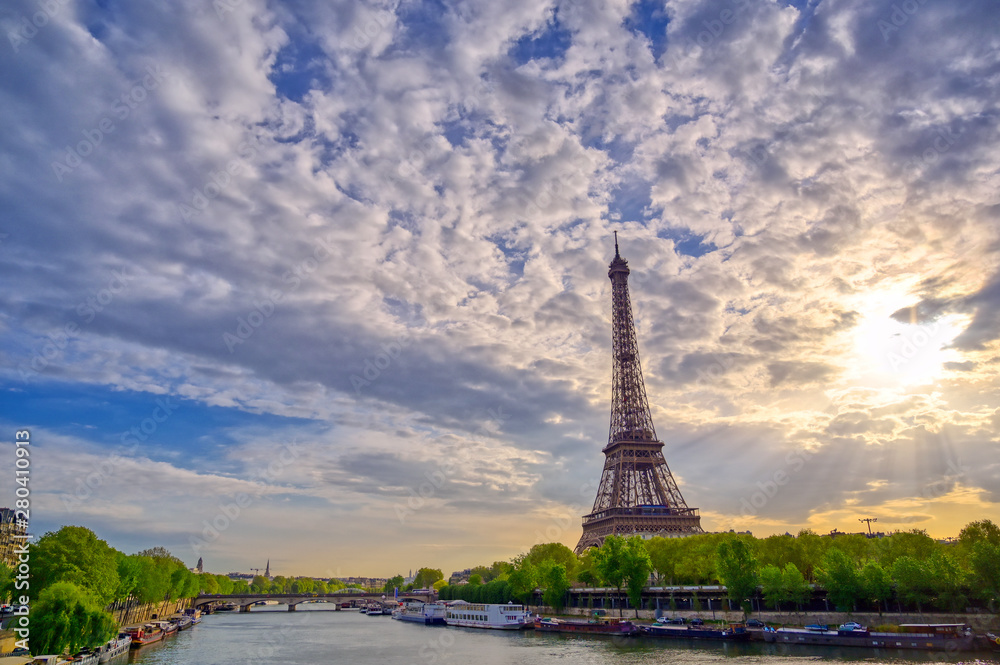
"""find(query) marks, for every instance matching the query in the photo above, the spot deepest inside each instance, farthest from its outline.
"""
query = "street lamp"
(869, 520)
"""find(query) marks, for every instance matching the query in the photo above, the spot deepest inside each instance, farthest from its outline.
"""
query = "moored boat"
(145, 634)
(195, 615)
(168, 627)
(428, 614)
(115, 647)
(482, 615)
(182, 620)
(929, 637)
(85, 657)
(49, 660)
(377, 610)
(597, 625)
(734, 632)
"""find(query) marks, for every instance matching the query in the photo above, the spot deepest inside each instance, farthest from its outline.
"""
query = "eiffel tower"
(637, 494)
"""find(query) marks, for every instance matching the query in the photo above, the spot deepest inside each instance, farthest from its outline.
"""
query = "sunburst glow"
(888, 352)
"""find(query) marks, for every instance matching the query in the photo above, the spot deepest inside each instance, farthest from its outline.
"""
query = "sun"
(890, 353)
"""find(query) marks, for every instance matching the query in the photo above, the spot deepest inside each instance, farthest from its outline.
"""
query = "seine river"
(315, 634)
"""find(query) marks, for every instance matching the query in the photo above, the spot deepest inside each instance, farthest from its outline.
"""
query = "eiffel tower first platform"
(637, 494)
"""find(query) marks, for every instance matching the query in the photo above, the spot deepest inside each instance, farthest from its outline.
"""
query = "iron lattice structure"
(637, 494)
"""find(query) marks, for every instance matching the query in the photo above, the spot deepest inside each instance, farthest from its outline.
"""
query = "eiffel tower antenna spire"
(637, 494)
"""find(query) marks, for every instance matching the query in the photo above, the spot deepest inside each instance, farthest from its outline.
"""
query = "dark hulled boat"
(924, 636)
(596, 626)
(733, 632)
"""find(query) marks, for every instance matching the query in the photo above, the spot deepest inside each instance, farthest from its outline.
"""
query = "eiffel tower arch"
(637, 494)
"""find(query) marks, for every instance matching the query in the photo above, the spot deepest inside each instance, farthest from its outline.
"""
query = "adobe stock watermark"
(121, 110)
(262, 310)
(768, 489)
(28, 27)
(420, 495)
(898, 16)
(87, 310)
(229, 512)
(922, 340)
(87, 484)
(941, 144)
(375, 365)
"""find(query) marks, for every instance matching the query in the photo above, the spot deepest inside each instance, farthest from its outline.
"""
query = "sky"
(325, 283)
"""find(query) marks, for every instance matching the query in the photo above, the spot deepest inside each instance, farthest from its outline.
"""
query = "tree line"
(909, 568)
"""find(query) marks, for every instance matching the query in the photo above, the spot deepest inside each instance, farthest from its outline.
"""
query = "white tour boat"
(477, 615)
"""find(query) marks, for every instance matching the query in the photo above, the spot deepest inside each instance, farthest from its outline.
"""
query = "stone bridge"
(246, 600)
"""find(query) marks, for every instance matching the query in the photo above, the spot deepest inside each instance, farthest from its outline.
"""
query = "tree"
(260, 584)
(6, 581)
(393, 583)
(523, 580)
(208, 583)
(809, 551)
(475, 580)
(947, 581)
(985, 560)
(555, 552)
(663, 555)
(839, 576)
(772, 587)
(915, 544)
(67, 617)
(974, 533)
(586, 572)
(876, 584)
(737, 567)
(440, 583)
(912, 578)
(183, 583)
(610, 562)
(426, 577)
(556, 583)
(794, 584)
(75, 554)
(636, 567)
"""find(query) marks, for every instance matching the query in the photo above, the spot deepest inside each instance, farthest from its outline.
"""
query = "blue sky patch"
(687, 243)
(186, 429)
(299, 67)
(552, 42)
(630, 201)
(649, 18)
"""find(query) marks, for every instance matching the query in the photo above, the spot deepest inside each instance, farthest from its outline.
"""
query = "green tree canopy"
(555, 552)
(985, 561)
(771, 586)
(913, 581)
(555, 581)
(393, 583)
(737, 566)
(610, 562)
(68, 617)
(426, 577)
(876, 584)
(75, 554)
(663, 556)
(794, 584)
(636, 567)
(839, 576)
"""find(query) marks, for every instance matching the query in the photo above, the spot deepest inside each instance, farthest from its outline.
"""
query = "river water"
(316, 634)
